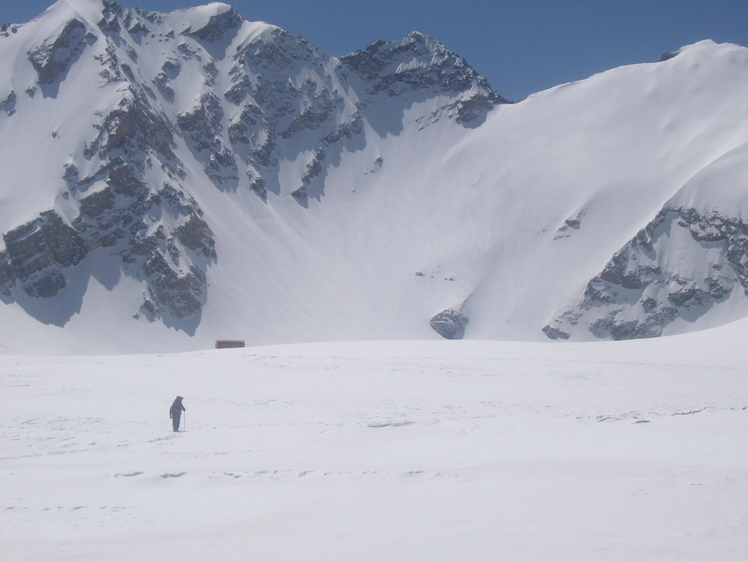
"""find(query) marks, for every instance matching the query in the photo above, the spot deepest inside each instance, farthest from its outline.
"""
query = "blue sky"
(521, 46)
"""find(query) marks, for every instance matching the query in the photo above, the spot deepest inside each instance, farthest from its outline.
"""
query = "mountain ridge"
(223, 177)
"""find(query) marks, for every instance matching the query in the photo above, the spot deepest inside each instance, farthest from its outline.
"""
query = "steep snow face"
(225, 178)
(681, 267)
(686, 268)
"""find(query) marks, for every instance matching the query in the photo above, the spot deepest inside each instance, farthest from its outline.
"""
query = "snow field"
(396, 450)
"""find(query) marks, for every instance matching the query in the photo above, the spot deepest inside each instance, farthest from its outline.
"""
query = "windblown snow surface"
(409, 451)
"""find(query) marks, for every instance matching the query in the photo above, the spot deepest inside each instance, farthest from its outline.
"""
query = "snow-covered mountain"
(171, 179)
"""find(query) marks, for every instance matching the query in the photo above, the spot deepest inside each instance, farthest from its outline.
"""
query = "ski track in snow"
(402, 450)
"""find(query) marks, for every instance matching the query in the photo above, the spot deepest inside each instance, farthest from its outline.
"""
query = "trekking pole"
(185, 421)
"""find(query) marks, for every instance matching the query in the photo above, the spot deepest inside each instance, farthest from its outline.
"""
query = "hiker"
(175, 413)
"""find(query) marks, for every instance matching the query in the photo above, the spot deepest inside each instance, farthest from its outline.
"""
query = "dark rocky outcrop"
(314, 167)
(133, 129)
(419, 62)
(639, 292)
(668, 56)
(182, 294)
(6, 29)
(219, 26)
(36, 253)
(169, 71)
(203, 127)
(54, 57)
(8, 105)
(555, 333)
(7, 276)
(203, 124)
(117, 217)
(450, 324)
(319, 108)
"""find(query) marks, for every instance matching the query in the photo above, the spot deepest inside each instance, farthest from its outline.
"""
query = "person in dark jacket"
(175, 413)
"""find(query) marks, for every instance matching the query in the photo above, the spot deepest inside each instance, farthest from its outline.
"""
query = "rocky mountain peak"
(125, 183)
(221, 22)
(420, 62)
(410, 60)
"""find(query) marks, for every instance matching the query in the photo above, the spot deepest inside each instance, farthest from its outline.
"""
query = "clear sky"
(521, 46)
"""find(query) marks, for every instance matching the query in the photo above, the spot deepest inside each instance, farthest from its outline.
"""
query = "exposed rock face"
(118, 216)
(8, 105)
(219, 26)
(419, 62)
(643, 289)
(181, 294)
(169, 71)
(668, 56)
(203, 128)
(36, 253)
(431, 65)
(450, 324)
(7, 275)
(284, 88)
(55, 56)
(133, 129)
(6, 29)
(288, 89)
(555, 333)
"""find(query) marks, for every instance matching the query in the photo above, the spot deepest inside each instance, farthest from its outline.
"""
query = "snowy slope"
(222, 178)
(411, 451)
(688, 265)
